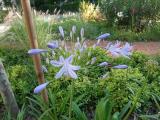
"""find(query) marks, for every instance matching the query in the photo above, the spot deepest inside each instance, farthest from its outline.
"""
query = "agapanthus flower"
(120, 67)
(103, 64)
(36, 51)
(79, 46)
(53, 44)
(67, 69)
(61, 31)
(126, 50)
(103, 36)
(40, 87)
(118, 50)
(96, 44)
(113, 49)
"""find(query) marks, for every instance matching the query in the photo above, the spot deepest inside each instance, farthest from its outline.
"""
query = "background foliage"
(135, 14)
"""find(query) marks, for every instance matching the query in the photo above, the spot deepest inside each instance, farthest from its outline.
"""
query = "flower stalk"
(33, 44)
(71, 99)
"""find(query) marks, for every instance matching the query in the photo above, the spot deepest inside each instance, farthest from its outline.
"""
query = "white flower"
(120, 14)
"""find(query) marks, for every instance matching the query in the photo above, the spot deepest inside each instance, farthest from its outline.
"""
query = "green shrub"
(20, 71)
(86, 87)
(126, 85)
(138, 60)
(151, 33)
(23, 80)
(131, 13)
(152, 70)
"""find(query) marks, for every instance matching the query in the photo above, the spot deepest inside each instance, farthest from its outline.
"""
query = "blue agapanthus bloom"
(40, 87)
(53, 44)
(120, 67)
(103, 36)
(118, 50)
(67, 69)
(36, 51)
(103, 64)
(126, 50)
(114, 49)
(79, 46)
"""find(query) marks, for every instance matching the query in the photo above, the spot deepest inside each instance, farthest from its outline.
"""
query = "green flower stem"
(71, 98)
(133, 106)
(130, 111)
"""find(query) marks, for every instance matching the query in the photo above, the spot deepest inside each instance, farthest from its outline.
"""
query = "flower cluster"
(65, 64)
(118, 50)
(67, 69)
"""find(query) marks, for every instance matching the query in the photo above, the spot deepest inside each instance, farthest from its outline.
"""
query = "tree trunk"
(7, 93)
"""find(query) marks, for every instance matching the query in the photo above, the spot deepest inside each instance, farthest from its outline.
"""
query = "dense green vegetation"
(138, 84)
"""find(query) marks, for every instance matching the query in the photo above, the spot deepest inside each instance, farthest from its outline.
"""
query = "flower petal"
(60, 73)
(69, 59)
(103, 36)
(39, 88)
(53, 44)
(72, 73)
(61, 59)
(56, 63)
(120, 67)
(103, 64)
(74, 67)
(36, 51)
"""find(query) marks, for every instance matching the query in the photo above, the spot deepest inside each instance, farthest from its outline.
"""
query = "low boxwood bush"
(20, 71)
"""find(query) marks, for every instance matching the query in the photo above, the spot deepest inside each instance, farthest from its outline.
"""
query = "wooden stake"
(33, 43)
